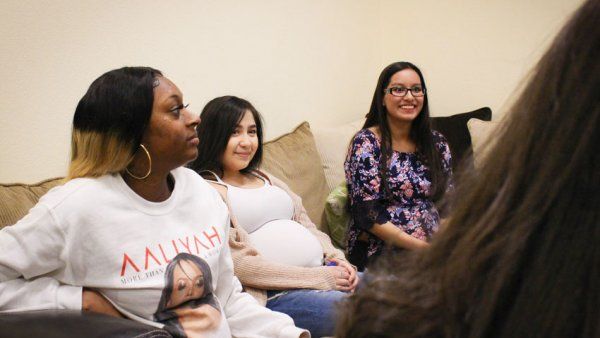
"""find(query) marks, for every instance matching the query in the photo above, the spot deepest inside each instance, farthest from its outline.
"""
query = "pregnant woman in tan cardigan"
(279, 255)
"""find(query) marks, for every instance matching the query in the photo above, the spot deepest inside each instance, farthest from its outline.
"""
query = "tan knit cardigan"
(258, 274)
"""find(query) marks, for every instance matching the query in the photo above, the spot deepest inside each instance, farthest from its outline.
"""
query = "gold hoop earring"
(149, 166)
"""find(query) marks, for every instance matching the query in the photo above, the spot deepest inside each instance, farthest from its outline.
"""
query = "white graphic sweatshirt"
(165, 264)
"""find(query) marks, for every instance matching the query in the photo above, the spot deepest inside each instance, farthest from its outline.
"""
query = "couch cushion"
(332, 144)
(294, 159)
(480, 132)
(455, 129)
(16, 199)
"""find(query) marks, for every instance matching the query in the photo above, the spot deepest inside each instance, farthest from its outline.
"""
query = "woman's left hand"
(353, 277)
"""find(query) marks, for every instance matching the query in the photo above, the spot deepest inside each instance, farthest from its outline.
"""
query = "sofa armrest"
(66, 323)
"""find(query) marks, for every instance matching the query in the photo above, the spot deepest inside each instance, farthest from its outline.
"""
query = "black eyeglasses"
(416, 91)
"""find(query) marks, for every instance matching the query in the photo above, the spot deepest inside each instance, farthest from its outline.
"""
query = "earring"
(149, 166)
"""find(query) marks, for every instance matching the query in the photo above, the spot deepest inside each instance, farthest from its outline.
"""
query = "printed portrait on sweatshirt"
(187, 306)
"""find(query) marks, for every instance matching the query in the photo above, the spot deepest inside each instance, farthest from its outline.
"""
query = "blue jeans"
(314, 310)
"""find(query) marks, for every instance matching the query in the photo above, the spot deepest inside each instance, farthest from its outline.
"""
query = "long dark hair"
(521, 254)
(420, 132)
(219, 119)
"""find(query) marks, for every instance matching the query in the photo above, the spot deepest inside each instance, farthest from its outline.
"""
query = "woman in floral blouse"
(396, 169)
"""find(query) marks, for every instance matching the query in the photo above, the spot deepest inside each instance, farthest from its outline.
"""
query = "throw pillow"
(294, 159)
(337, 215)
(16, 199)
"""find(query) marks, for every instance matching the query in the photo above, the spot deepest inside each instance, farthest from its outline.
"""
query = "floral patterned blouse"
(409, 181)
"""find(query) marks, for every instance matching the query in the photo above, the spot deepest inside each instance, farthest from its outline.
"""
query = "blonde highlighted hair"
(110, 120)
(94, 154)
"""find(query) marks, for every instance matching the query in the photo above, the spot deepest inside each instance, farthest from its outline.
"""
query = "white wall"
(473, 53)
(312, 60)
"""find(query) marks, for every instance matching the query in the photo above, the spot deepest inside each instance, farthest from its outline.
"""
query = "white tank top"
(266, 214)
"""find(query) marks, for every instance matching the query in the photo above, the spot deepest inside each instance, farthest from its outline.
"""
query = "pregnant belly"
(287, 242)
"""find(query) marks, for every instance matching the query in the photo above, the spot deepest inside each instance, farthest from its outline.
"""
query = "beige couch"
(309, 161)
(311, 164)
(293, 157)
